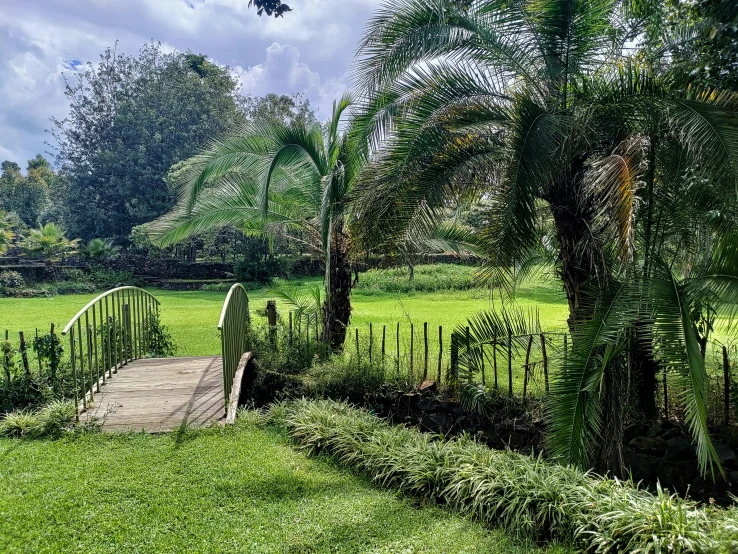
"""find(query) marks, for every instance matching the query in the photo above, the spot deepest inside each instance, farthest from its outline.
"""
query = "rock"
(725, 454)
(635, 430)
(429, 405)
(649, 445)
(677, 475)
(706, 488)
(640, 466)
(729, 435)
(678, 449)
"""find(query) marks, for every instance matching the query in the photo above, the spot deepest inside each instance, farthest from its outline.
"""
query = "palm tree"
(270, 177)
(538, 103)
(49, 243)
(101, 249)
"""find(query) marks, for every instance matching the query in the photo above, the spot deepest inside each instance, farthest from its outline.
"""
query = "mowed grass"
(192, 317)
(242, 489)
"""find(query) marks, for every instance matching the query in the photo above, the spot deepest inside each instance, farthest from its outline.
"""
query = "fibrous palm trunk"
(584, 273)
(337, 304)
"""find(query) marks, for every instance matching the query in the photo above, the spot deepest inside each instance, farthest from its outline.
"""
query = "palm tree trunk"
(337, 304)
(584, 272)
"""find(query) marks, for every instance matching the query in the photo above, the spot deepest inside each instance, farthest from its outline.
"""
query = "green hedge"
(527, 496)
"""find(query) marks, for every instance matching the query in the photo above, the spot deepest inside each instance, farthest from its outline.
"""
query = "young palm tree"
(272, 176)
(49, 243)
(536, 102)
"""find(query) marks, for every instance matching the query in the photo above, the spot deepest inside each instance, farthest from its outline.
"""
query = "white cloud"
(283, 71)
(308, 51)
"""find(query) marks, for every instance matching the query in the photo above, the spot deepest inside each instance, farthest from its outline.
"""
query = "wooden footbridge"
(120, 386)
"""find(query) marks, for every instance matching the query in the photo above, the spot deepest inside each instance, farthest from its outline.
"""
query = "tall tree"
(130, 119)
(540, 104)
(27, 196)
(272, 176)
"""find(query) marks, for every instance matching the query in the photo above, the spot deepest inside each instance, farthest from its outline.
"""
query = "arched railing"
(233, 326)
(110, 331)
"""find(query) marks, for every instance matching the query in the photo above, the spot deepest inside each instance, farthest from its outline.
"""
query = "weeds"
(51, 420)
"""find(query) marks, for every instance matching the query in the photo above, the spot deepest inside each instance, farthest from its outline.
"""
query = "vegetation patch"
(527, 496)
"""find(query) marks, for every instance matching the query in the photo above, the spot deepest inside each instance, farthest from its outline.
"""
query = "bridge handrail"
(233, 326)
(116, 330)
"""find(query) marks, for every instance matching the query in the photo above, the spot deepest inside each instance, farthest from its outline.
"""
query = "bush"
(51, 420)
(259, 270)
(427, 278)
(341, 377)
(11, 280)
(161, 344)
(217, 287)
(19, 424)
(526, 495)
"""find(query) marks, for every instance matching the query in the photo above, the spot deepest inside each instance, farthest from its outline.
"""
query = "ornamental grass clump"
(526, 495)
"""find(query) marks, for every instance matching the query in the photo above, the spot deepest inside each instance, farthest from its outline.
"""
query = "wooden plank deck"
(160, 394)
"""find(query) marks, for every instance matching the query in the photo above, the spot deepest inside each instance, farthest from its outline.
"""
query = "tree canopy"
(131, 118)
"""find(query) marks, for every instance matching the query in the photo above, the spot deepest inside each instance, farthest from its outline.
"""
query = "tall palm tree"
(273, 176)
(538, 103)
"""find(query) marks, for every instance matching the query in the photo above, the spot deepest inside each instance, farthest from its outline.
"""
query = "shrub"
(18, 424)
(216, 287)
(161, 344)
(526, 495)
(56, 417)
(11, 280)
(342, 377)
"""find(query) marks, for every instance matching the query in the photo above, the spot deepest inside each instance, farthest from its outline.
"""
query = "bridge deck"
(160, 394)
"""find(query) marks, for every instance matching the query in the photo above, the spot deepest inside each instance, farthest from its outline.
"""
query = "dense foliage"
(131, 118)
(525, 495)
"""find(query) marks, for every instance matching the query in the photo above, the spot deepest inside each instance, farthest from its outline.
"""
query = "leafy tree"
(130, 119)
(270, 7)
(540, 105)
(278, 108)
(6, 233)
(49, 243)
(27, 196)
(273, 177)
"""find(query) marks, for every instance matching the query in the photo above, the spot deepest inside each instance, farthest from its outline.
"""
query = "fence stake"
(412, 344)
(24, 353)
(290, 329)
(545, 361)
(6, 357)
(726, 384)
(358, 354)
(440, 352)
(40, 369)
(53, 362)
(271, 310)
(454, 356)
(74, 372)
(509, 365)
(566, 345)
(425, 360)
(371, 343)
(494, 358)
(468, 343)
(481, 359)
(527, 363)
(384, 336)
(397, 359)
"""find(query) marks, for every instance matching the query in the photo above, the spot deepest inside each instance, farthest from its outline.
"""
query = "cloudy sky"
(308, 51)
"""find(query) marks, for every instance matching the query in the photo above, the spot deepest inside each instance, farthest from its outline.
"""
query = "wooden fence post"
(454, 357)
(494, 358)
(412, 348)
(371, 343)
(384, 336)
(6, 357)
(358, 354)
(425, 358)
(509, 365)
(726, 384)
(527, 365)
(481, 360)
(24, 353)
(397, 339)
(290, 329)
(271, 311)
(440, 352)
(38, 356)
(545, 361)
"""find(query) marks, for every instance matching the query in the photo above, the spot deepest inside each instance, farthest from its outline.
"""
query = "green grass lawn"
(192, 317)
(243, 489)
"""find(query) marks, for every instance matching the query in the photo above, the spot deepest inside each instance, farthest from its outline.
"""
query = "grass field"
(192, 317)
(242, 489)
